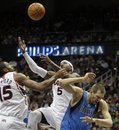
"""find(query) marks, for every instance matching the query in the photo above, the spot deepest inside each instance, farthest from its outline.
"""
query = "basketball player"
(13, 101)
(52, 115)
(84, 105)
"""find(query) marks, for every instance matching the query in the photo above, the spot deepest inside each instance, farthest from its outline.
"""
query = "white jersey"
(13, 101)
(61, 98)
(55, 113)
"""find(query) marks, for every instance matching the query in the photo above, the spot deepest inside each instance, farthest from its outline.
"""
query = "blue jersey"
(71, 120)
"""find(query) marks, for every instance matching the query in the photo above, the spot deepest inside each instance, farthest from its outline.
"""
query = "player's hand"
(22, 44)
(86, 119)
(60, 74)
(89, 76)
(45, 58)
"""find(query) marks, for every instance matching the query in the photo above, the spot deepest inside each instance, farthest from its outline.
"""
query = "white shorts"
(11, 123)
(49, 115)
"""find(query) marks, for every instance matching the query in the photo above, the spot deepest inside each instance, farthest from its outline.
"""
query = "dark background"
(57, 6)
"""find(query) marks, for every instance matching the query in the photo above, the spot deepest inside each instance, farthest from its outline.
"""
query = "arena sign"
(56, 50)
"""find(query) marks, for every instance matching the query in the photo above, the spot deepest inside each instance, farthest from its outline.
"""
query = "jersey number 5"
(59, 91)
(5, 93)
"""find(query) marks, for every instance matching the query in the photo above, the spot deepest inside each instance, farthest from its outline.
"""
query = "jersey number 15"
(5, 93)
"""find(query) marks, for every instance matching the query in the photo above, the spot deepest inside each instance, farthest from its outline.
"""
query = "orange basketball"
(36, 11)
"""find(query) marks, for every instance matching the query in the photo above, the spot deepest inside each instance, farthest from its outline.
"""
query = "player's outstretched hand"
(86, 119)
(60, 74)
(21, 44)
(89, 77)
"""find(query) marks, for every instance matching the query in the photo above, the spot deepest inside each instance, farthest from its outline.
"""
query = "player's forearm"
(47, 83)
(103, 122)
(72, 80)
(37, 85)
(53, 65)
(67, 83)
(34, 67)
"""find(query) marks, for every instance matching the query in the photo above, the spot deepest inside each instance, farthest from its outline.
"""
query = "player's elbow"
(34, 70)
(110, 123)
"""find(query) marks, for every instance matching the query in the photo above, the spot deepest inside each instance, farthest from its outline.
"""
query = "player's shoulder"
(57, 82)
(102, 104)
(19, 76)
(9, 75)
(78, 92)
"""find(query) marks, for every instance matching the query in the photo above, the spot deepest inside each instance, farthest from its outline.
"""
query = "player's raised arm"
(31, 63)
(50, 62)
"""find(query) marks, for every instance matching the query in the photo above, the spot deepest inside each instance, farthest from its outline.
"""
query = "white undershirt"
(34, 67)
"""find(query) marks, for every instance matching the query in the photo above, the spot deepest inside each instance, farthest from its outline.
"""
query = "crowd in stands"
(84, 26)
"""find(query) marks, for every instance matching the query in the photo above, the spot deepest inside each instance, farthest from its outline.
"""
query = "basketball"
(36, 11)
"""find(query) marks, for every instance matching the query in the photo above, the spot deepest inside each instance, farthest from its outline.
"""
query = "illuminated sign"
(56, 50)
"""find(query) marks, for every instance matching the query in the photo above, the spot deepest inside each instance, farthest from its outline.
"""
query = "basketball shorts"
(11, 123)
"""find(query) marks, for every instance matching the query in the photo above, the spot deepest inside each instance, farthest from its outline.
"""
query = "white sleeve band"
(34, 67)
